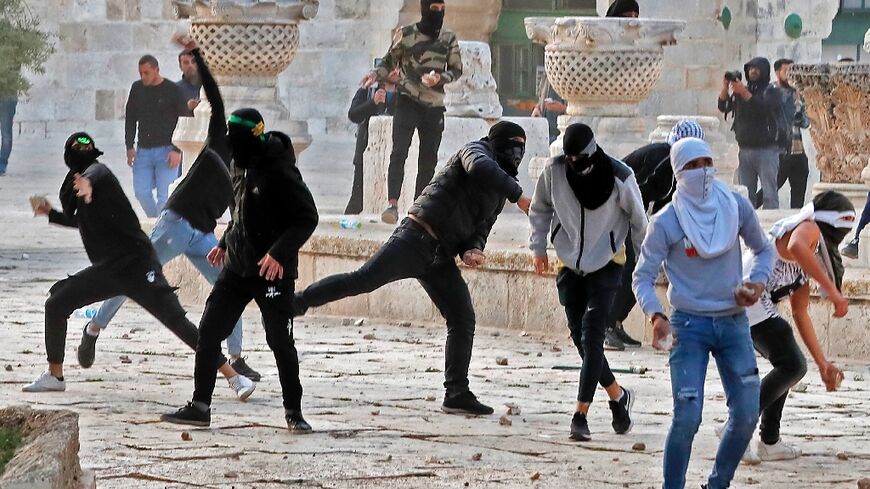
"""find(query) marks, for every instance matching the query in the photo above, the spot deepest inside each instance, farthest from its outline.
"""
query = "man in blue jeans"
(7, 113)
(696, 237)
(153, 108)
(187, 224)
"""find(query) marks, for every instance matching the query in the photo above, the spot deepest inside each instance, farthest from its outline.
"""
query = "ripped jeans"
(730, 342)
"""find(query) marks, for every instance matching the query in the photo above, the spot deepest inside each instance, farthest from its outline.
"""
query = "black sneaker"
(465, 403)
(296, 423)
(621, 410)
(612, 342)
(189, 414)
(624, 337)
(244, 369)
(87, 349)
(580, 428)
(299, 305)
(390, 215)
(851, 249)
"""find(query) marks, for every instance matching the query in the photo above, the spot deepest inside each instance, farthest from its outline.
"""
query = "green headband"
(257, 128)
(84, 140)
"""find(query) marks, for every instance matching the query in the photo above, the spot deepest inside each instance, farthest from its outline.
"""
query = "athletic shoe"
(243, 386)
(621, 410)
(850, 250)
(749, 456)
(612, 342)
(45, 383)
(777, 451)
(390, 215)
(244, 369)
(623, 336)
(465, 403)
(87, 349)
(296, 423)
(580, 428)
(190, 415)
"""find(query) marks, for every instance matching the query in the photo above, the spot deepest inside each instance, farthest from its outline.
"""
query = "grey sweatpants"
(760, 164)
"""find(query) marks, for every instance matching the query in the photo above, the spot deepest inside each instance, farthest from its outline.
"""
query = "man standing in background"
(8, 104)
(428, 58)
(153, 109)
(793, 164)
(190, 83)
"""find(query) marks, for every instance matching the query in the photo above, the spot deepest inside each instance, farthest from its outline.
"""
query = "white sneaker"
(777, 451)
(749, 456)
(45, 383)
(242, 386)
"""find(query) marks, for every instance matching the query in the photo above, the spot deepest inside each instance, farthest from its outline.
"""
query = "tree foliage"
(23, 45)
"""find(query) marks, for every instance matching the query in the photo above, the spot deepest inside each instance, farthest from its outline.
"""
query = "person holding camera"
(378, 99)
(755, 105)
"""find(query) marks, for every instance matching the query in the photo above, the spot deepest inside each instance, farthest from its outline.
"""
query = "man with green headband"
(273, 215)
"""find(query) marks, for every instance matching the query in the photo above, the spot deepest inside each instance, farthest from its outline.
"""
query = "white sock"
(93, 329)
(233, 378)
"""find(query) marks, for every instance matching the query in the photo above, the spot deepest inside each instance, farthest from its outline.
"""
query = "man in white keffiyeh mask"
(696, 239)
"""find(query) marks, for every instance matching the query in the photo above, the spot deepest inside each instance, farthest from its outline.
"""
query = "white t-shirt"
(786, 278)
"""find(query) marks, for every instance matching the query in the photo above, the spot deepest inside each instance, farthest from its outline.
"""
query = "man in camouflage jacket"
(428, 58)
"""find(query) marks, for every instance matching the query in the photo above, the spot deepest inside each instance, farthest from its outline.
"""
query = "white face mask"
(696, 184)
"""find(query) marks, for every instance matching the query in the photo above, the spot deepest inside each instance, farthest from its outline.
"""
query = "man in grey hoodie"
(586, 202)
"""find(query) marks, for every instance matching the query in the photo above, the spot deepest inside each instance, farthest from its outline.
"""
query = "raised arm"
(487, 172)
(217, 124)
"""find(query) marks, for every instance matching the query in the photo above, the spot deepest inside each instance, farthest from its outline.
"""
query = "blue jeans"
(730, 342)
(151, 173)
(7, 113)
(173, 236)
(760, 164)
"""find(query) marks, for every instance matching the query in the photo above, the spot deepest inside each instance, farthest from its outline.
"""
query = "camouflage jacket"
(417, 54)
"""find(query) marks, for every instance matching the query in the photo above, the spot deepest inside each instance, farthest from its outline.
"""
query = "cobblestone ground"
(373, 394)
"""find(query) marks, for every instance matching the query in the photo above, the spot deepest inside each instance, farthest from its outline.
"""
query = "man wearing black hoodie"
(123, 263)
(272, 217)
(452, 217)
(754, 106)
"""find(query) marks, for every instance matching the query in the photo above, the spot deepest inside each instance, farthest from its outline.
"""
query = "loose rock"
(359, 322)
(185, 436)
(476, 457)
(346, 322)
(505, 421)
(369, 336)
(501, 361)
(513, 409)
(864, 484)
(536, 476)
(231, 475)
(842, 456)
(125, 359)
(9, 368)
(639, 447)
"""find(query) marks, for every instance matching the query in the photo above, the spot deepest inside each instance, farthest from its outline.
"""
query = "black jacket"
(463, 201)
(363, 108)
(274, 212)
(108, 226)
(754, 124)
(655, 175)
(207, 190)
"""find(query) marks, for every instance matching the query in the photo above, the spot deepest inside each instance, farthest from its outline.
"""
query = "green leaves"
(22, 46)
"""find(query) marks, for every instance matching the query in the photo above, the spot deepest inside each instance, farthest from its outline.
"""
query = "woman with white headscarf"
(806, 247)
(696, 238)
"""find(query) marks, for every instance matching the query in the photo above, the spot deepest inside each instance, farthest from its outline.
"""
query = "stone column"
(247, 44)
(604, 68)
(474, 94)
(471, 20)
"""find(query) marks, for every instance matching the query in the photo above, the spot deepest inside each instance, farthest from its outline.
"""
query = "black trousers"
(355, 203)
(225, 305)
(795, 169)
(412, 253)
(774, 340)
(588, 300)
(623, 299)
(429, 124)
(139, 279)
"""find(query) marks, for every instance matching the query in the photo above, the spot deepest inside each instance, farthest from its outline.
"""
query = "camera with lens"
(734, 76)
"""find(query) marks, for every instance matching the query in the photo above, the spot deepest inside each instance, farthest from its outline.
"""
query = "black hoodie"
(108, 226)
(754, 119)
(274, 211)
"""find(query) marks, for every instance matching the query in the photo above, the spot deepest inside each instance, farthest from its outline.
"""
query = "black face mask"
(245, 148)
(432, 21)
(580, 164)
(79, 160)
(509, 155)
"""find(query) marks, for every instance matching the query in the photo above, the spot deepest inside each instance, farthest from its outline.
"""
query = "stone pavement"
(372, 393)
